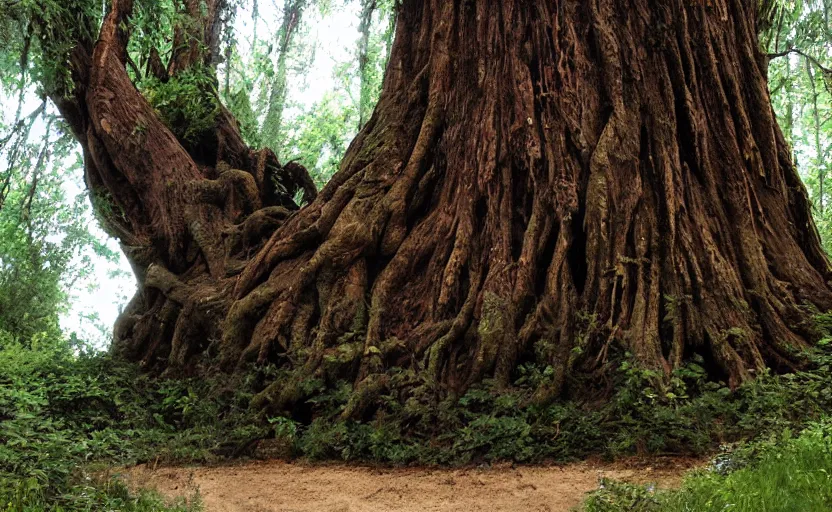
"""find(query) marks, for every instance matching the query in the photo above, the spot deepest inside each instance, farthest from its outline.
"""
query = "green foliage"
(320, 137)
(151, 27)
(46, 245)
(264, 85)
(90, 495)
(686, 414)
(798, 33)
(239, 103)
(614, 496)
(785, 474)
(187, 103)
(63, 407)
(37, 37)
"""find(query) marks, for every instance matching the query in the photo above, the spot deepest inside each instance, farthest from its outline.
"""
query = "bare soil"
(273, 486)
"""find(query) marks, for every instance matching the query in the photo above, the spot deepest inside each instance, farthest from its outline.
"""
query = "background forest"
(302, 77)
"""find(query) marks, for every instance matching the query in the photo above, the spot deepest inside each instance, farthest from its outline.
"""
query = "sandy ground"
(298, 487)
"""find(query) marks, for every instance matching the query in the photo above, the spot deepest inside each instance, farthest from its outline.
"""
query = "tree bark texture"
(542, 180)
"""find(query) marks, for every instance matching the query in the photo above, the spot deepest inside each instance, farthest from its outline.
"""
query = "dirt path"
(298, 487)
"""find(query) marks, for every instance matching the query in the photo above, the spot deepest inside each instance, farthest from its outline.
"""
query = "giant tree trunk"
(541, 180)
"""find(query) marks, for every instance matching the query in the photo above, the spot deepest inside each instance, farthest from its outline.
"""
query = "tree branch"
(814, 61)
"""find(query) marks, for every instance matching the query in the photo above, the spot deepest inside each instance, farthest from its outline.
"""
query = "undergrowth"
(64, 408)
(689, 416)
(686, 414)
(782, 473)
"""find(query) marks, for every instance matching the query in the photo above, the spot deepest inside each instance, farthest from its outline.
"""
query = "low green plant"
(775, 475)
(90, 495)
(614, 496)
(686, 414)
(64, 406)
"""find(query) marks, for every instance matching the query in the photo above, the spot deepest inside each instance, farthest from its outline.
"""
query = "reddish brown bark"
(541, 180)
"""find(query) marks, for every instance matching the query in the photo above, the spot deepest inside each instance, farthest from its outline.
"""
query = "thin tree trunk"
(273, 123)
(368, 7)
(789, 107)
(821, 170)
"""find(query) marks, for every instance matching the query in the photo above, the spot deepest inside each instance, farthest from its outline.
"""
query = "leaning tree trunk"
(541, 180)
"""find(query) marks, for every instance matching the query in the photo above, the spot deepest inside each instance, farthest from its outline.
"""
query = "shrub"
(62, 407)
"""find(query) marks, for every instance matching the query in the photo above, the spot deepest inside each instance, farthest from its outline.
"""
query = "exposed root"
(552, 189)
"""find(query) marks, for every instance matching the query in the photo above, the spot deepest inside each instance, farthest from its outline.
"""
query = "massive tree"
(542, 180)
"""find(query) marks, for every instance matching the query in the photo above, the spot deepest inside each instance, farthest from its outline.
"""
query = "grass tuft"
(784, 474)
